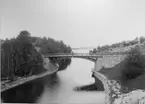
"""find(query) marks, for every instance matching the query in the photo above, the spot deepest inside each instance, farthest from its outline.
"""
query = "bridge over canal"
(92, 57)
(88, 56)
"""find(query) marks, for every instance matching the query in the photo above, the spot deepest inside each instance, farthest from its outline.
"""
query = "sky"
(79, 23)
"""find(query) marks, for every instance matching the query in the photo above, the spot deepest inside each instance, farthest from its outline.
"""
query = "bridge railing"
(88, 54)
(103, 53)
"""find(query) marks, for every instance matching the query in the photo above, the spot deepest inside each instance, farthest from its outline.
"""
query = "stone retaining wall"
(104, 80)
(114, 95)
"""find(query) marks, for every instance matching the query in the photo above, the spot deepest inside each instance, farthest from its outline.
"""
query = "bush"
(134, 64)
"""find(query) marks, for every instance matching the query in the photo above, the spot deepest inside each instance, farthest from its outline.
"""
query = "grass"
(134, 65)
(130, 72)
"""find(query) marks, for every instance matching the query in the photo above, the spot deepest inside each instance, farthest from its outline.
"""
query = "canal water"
(59, 87)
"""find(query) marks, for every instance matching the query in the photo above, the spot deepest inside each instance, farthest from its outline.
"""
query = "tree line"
(119, 44)
(50, 46)
(22, 56)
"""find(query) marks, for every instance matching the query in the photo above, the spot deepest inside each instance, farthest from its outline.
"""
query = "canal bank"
(50, 69)
(109, 71)
(59, 87)
(77, 74)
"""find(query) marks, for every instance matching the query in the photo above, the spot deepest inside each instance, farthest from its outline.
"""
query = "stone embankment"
(104, 80)
(51, 68)
(114, 95)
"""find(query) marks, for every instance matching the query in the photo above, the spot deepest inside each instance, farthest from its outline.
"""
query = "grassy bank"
(129, 73)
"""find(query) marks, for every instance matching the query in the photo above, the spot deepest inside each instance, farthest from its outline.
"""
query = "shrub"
(134, 64)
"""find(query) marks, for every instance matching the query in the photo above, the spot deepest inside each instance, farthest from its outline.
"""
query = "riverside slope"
(51, 68)
(114, 96)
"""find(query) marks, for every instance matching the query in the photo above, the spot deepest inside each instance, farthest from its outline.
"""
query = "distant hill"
(120, 46)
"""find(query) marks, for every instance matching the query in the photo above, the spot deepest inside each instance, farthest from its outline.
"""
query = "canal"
(58, 88)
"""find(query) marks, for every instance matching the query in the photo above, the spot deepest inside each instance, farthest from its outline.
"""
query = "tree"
(19, 56)
(134, 64)
(142, 39)
(99, 48)
(94, 50)
(50, 46)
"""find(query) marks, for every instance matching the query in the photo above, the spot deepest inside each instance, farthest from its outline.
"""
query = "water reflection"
(58, 88)
(30, 92)
(79, 73)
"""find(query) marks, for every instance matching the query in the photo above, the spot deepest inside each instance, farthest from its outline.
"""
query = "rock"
(90, 87)
(114, 94)
(134, 97)
(141, 100)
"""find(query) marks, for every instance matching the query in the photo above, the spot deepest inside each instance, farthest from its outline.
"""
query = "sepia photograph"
(72, 51)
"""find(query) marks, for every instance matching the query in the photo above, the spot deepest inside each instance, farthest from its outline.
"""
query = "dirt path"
(21, 80)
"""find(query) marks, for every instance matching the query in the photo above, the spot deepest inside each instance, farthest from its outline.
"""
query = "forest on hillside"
(119, 44)
(22, 55)
(50, 46)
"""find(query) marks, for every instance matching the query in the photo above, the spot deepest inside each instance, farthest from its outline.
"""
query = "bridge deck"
(85, 54)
